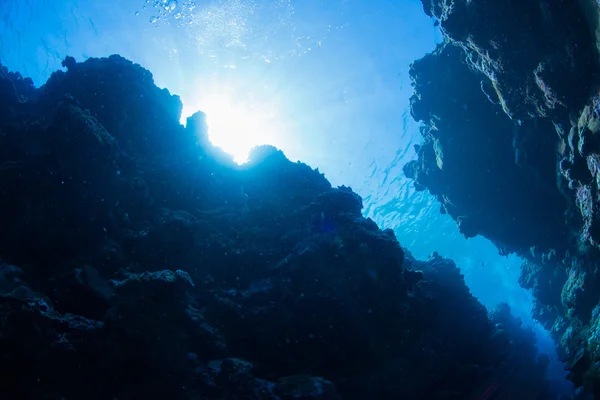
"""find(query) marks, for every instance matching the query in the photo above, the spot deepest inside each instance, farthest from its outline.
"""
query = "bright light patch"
(237, 120)
(237, 128)
(231, 47)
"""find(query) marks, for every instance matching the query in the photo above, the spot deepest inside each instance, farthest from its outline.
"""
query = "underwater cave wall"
(510, 148)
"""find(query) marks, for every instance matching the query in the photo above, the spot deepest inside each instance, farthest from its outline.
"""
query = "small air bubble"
(153, 20)
(167, 5)
(171, 5)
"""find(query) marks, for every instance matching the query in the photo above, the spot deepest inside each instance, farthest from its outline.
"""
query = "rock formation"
(139, 262)
(510, 112)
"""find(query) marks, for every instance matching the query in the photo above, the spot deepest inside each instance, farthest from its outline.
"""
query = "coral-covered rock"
(510, 148)
(546, 283)
(481, 166)
(535, 55)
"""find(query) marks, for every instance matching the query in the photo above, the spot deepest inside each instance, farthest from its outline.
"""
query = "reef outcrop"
(139, 262)
(510, 109)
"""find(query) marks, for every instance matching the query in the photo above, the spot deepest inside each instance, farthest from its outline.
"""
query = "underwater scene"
(300, 199)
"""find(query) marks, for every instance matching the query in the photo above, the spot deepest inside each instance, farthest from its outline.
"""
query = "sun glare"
(237, 126)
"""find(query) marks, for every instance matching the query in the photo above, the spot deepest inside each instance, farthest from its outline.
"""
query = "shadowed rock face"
(509, 109)
(481, 165)
(138, 262)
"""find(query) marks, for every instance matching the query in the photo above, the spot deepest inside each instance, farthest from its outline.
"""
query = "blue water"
(329, 80)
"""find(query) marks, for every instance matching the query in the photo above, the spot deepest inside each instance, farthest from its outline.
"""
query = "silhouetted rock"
(139, 262)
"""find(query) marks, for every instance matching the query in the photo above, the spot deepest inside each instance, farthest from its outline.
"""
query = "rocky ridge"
(139, 262)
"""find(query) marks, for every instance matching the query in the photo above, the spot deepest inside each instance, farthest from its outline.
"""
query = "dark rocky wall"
(510, 120)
